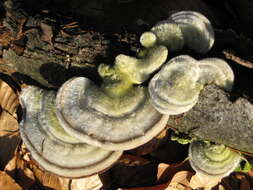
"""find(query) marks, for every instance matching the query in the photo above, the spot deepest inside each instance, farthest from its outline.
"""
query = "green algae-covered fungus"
(212, 160)
(118, 114)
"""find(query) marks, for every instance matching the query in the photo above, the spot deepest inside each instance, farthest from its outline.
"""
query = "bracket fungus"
(185, 28)
(218, 69)
(118, 115)
(51, 146)
(211, 160)
(176, 87)
(83, 128)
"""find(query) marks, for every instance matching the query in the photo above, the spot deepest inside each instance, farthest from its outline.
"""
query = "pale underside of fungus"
(50, 146)
(185, 28)
(176, 87)
(211, 160)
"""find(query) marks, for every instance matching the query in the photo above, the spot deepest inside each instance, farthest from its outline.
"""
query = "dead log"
(42, 46)
(47, 48)
(218, 119)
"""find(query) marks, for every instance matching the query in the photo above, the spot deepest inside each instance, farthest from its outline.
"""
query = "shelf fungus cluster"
(84, 128)
(51, 146)
(176, 87)
(211, 160)
(184, 29)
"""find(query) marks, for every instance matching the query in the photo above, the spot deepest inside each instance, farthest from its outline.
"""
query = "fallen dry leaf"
(7, 183)
(170, 177)
(11, 165)
(18, 168)
(180, 181)
(8, 98)
(166, 172)
(87, 183)
(9, 137)
(47, 179)
(27, 174)
(202, 181)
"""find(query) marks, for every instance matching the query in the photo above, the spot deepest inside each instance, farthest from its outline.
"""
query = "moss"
(244, 166)
(181, 138)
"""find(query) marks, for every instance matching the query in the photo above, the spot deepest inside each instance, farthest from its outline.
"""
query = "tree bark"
(46, 48)
(218, 119)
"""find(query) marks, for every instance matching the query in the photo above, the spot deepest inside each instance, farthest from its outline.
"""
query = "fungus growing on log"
(196, 28)
(113, 116)
(176, 87)
(214, 70)
(185, 28)
(84, 128)
(211, 160)
(50, 146)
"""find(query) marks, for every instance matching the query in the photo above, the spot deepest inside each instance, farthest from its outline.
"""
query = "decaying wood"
(42, 50)
(46, 48)
(218, 119)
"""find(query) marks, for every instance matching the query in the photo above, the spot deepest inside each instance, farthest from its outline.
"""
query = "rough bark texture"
(47, 46)
(216, 118)
(46, 42)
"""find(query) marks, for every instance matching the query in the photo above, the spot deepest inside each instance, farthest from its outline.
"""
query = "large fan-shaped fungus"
(51, 146)
(119, 114)
(174, 89)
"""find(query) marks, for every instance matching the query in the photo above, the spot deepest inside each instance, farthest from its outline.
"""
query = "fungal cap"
(48, 121)
(139, 69)
(196, 28)
(214, 70)
(75, 159)
(88, 114)
(148, 39)
(212, 160)
(175, 88)
(169, 34)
